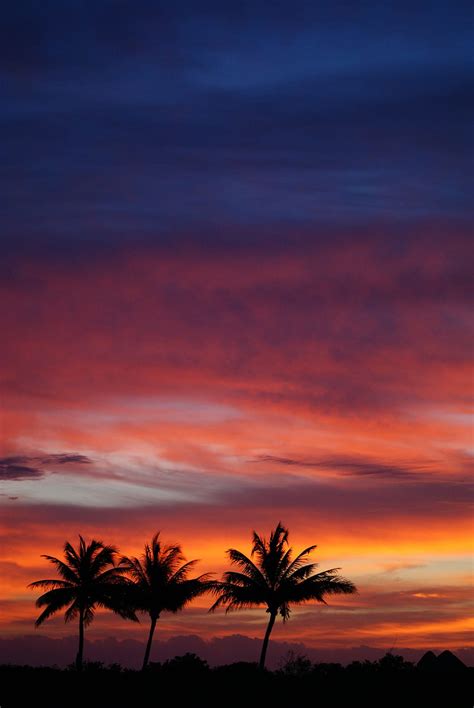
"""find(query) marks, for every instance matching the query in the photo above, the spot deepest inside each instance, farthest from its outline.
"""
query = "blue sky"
(151, 122)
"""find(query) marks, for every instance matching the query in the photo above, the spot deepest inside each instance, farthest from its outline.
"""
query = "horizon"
(41, 650)
(236, 289)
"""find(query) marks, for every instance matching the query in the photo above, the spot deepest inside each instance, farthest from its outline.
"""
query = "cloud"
(28, 467)
(37, 650)
(266, 211)
(10, 470)
(395, 567)
(347, 465)
(240, 500)
(321, 122)
(370, 313)
(64, 459)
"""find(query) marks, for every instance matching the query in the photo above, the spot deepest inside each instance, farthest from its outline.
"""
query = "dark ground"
(189, 681)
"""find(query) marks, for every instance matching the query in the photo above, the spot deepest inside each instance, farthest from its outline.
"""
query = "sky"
(236, 289)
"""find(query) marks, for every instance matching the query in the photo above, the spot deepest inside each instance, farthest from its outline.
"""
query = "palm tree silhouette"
(161, 583)
(90, 578)
(276, 580)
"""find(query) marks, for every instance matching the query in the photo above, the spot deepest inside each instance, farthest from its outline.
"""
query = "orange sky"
(206, 401)
(236, 289)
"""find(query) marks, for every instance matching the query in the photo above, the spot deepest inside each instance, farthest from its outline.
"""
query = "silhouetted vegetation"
(94, 576)
(276, 580)
(187, 679)
(89, 578)
(160, 583)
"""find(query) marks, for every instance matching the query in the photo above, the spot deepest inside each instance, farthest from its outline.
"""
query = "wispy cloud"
(396, 567)
(12, 471)
(29, 467)
(349, 465)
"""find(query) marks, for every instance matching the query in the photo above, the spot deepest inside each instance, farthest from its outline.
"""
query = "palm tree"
(89, 578)
(161, 583)
(276, 580)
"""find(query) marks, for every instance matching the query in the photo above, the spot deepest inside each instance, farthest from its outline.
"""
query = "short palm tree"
(89, 578)
(276, 580)
(161, 584)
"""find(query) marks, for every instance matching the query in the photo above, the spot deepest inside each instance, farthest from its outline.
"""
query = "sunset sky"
(235, 289)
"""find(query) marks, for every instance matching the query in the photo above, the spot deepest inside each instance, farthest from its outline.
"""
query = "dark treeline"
(188, 680)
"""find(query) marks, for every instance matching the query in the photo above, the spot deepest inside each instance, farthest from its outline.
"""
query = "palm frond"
(285, 562)
(278, 538)
(48, 612)
(72, 612)
(235, 597)
(301, 573)
(67, 572)
(171, 558)
(182, 593)
(159, 579)
(316, 587)
(285, 611)
(72, 557)
(52, 584)
(135, 569)
(271, 554)
(259, 546)
(299, 560)
(64, 595)
(89, 550)
(127, 613)
(247, 565)
(119, 601)
(89, 577)
(111, 575)
(241, 579)
(276, 579)
(88, 615)
(181, 573)
(54, 600)
(99, 557)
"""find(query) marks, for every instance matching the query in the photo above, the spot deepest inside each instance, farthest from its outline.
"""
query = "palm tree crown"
(89, 578)
(161, 583)
(276, 579)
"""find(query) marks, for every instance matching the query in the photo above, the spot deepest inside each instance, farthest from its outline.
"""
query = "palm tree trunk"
(263, 655)
(148, 644)
(80, 650)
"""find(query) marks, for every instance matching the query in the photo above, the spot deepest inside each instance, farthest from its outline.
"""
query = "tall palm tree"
(276, 580)
(161, 583)
(89, 578)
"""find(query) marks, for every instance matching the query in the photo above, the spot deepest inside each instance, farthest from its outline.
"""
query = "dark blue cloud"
(206, 122)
